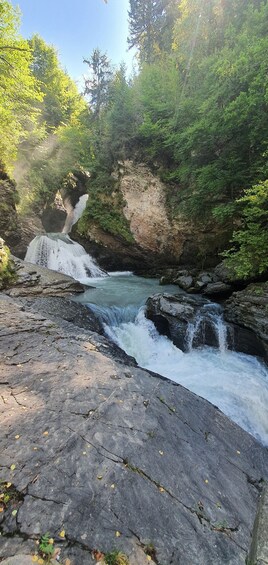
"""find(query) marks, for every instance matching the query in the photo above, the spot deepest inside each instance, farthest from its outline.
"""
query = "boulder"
(248, 309)
(182, 319)
(217, 289)
(32, 280)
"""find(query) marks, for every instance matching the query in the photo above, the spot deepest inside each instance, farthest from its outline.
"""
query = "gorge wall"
(157, 235)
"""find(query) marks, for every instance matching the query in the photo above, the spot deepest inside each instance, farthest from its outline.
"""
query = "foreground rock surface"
(115, 457)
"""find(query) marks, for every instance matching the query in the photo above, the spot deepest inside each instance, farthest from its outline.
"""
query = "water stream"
(235, 382)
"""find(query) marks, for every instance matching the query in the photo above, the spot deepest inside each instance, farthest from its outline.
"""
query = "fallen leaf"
(238, 452)
(35, 558)
(98, 555)
(1, 509)
(12, 467)
(99, 477)
(149, 558)
(161, 452)
(206, 481)
(17, 436)
(117, 534)
(51, 541)
(40, 561)
(67, 562)
(8, 485)
(112, 486)
(14, 512)
(45, 433)
(62, 534)
(161, 489)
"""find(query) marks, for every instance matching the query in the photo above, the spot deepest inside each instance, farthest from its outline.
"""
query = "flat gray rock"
(115, 457)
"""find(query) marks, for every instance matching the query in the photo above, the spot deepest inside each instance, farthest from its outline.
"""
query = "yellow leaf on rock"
(206, 481)
(51, 541)
(40, 561)
(238, 452)
(45, 433)
(62, 534)
(12, 467)
(161, 452)
(161, 489)
(35, 558)
(99, 477)
(17, 436)
(117, 534)
(149, 558)
(8, 485)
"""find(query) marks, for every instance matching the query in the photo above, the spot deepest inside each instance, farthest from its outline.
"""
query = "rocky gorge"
(90, 434)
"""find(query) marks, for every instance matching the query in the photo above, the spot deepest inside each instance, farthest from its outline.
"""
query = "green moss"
(105, 209)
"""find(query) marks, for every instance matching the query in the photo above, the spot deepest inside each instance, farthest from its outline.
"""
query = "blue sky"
(76, 27)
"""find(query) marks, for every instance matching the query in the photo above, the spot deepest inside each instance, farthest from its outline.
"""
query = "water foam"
(59, 253)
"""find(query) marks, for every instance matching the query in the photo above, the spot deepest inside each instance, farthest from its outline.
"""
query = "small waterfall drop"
(59, 253)
(209, 319)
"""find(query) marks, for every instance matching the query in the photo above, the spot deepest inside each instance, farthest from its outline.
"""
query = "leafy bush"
(249, 255)
(7, 271)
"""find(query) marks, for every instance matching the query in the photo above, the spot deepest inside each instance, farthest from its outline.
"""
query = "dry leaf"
(67, 562)
(206, 481)
(17, 436)
(62, 534)
(149, 558)
(14, 512)
(12, 467)
(1, 509)
(161, 489)
(99, 477)
(35, 558)
(8, 485)
(161, 452)
(45, 433)
(112, 486)
(117, 534)
(238, 452)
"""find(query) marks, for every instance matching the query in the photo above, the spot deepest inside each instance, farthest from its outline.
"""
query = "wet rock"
(89, 455)
(185, 282)
(248, 309)
(35, 280)
(218, 289)
(172, 316)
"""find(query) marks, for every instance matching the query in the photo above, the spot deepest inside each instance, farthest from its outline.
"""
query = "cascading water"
(235, 382)
(59, 253)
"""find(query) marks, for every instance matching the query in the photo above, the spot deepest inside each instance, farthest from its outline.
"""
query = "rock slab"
(115, 457)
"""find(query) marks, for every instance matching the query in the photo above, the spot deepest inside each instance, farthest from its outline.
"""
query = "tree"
(19, 92)
(249, 255)
(150, 27)
(62, 101)
(97, 85)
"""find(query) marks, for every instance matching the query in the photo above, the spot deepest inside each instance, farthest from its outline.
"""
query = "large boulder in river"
(248, 309)
(187, 320)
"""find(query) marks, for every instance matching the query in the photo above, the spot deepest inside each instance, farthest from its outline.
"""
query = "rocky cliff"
(159, 239)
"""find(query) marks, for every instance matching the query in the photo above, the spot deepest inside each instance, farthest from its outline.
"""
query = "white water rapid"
(59, 253)
(235, 382)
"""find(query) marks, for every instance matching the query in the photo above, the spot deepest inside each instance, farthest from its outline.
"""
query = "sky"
(76, 27)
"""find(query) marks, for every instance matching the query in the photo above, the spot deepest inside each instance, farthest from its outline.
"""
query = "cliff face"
(158, 237)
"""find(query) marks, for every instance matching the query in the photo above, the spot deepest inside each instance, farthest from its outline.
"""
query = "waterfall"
(59, 253)
(208, 319)
(73, 214)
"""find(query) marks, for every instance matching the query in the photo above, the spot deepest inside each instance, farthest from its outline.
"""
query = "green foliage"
(105, 209)
(249, 255)
(7, 270)
(61, 100)
(19, 92)
(116, 558)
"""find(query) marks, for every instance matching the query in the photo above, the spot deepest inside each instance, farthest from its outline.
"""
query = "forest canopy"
(196, 112)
